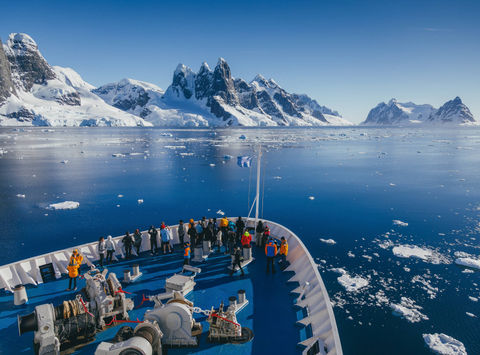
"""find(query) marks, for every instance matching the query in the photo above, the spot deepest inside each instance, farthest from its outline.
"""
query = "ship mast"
(257, 197)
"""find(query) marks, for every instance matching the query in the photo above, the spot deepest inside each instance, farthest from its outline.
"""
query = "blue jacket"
(165, 234)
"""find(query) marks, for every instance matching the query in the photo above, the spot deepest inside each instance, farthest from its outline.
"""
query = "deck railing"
(313, 295)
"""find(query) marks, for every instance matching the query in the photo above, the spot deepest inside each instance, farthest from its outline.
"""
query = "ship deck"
(271, 313)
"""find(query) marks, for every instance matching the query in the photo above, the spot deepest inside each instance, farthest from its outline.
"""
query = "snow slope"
(52, 96)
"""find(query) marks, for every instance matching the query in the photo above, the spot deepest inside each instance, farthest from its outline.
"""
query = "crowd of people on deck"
(232, 236)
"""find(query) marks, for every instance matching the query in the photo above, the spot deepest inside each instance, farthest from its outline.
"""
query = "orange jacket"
(284, 248)
(186, 253)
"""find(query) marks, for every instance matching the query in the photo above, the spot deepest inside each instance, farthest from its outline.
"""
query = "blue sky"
(348, 55)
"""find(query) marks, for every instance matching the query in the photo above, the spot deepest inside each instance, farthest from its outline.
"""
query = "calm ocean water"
(345, 184)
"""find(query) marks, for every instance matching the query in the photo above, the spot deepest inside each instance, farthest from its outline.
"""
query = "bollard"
(241, 296)
(247, 254)
(136, 269)
(19, 295)
(126, 275)
(232, 301)
(206, 247)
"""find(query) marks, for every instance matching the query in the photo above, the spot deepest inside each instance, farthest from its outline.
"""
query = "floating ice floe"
(444, 344)
(392, 184)
(470, 314)
(120, 196)
(21, 195)
(425, 254)
(311, 197)
(212, 165)
(3, 151)
(352, 284)
(220, 212)
(186, 154)
(408, 310)
(277, 178)
(118, 155)
(175, 147)
(66, 205)
(140, 201)
(473, 299)
(328, 241)
(400, 223)
(166, 134)
(468, 262)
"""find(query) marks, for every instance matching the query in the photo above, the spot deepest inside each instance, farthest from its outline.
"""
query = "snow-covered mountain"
(453, 111)
(215, 98)
(396, 113)
(34, 93)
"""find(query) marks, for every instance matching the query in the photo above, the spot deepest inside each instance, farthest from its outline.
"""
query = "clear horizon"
(347, 55)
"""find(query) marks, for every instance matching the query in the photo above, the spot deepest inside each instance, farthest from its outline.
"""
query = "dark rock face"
(6, 83)
(386, 114)
(180, 82)
(22, 115)
(27, 62)
(218, 90)
(222, 84)
(452, 111)
(71, 99)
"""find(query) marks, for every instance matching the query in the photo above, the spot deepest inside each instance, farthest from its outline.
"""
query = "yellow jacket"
(224, 222)
(284, 248)
(73, 267)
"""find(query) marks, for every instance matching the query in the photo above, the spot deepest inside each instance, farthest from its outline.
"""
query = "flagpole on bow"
(257, 196)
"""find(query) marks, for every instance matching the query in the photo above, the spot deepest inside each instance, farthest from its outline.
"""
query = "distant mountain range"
(396, 113)
(32, 92)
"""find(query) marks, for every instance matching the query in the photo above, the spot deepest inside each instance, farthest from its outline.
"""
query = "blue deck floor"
(270, 312)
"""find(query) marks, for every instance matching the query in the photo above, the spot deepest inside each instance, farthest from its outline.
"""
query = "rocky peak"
(27, 63)
(453, 111)
(183, 82)
(6, 84)
(222, 84)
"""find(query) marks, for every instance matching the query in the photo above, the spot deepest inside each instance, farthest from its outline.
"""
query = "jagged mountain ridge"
(32, 92)
(215, 98)
(396, 113)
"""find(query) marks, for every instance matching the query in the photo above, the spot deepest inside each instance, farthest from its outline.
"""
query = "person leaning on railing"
(283, 252)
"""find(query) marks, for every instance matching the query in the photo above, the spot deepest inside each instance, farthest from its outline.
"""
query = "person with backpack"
(166, 237)
(153, 240)
(137, 241)
(127, 241)
(265, 236)
(73, 266)
(101, 247)
(246, 240)
(110, 245)
(259, 233)
(200, 232)
(240, 224)
(186, 253)
(270, 253)
(237, 261)
(181, 232)
(192, 233)
(231, 237)
(283, 252)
